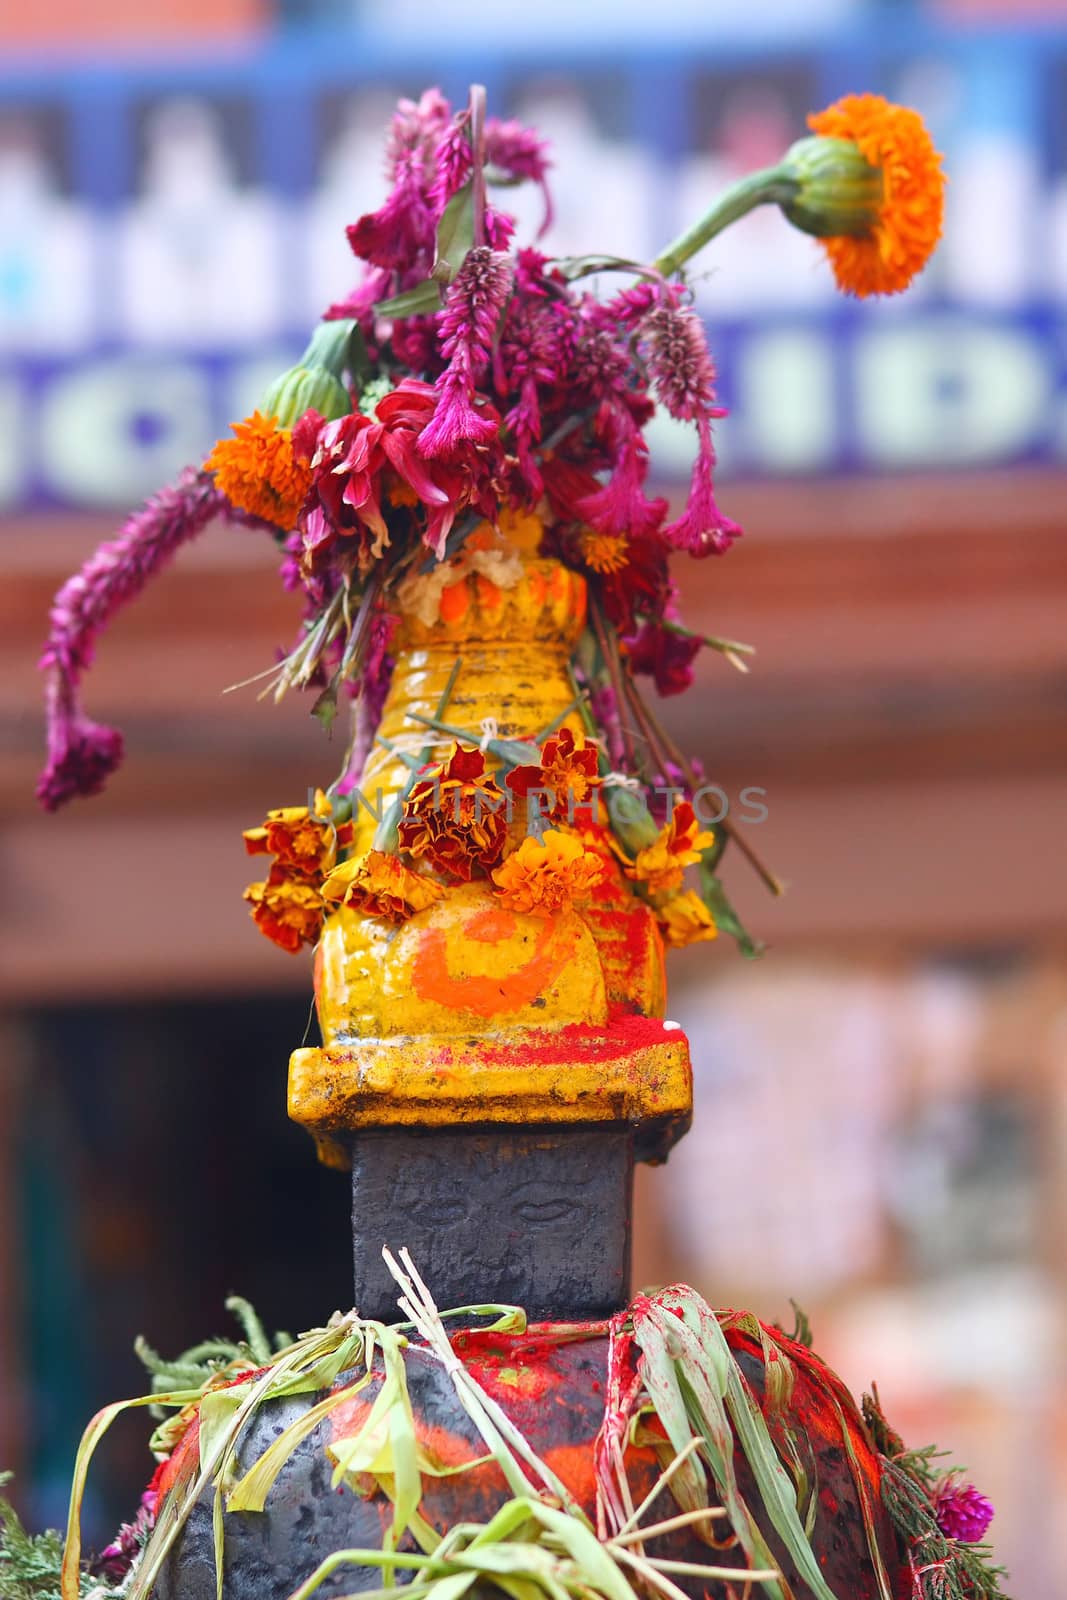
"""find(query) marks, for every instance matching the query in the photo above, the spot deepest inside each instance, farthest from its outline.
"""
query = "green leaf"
(424, 297)
(777, 1490)
(98, 1426)
(679, 1363)
(325, 708)
(455, 235)
(715, 898)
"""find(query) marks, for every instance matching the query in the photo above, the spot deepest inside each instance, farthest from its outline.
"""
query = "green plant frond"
(255, 1334)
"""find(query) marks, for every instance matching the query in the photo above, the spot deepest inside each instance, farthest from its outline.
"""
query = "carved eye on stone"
(535, 1211)
(434, 1211)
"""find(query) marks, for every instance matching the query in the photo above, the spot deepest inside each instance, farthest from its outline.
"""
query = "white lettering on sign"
(949, 393)
(786, 384)
(116, 429)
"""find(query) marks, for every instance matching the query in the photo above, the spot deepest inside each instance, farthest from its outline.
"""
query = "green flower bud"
(631, 821)
(837, 190)
(306, 389)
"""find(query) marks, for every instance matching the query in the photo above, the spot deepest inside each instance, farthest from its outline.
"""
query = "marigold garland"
(455, 816)
(288, 910)
(660, 866)
(380, 885)
(684, 919)
(547, 875)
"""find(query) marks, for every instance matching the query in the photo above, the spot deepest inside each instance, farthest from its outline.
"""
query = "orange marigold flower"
(455, 816)
(685, 919)
(885, 256)
(288, 910)
(381, 886)
(604, 552)
(304, 842)
(569, 772)
(259, 472)
(548, 874)
(660, 866)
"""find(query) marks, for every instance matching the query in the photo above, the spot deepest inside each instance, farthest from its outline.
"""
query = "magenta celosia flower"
(401, 232)
(376, 284)
(82, 754)
(702, 529)
(602, 368)
(679, 363)
(621, 506)
(452, 164)
(115, 1561)
(467, 328)
(666, 656)
(962, 1513)
(521, 154)
(499, 228)
(630, 306)
(534, 352)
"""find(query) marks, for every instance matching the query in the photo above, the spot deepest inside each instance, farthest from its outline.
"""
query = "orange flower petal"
(894, 139)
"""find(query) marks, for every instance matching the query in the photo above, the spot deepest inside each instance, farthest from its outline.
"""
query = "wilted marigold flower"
(569, 773)
(895, 234)
(660, 866)
(260, 472)
(454, 816)
(288, 910)
(685, 919)
(548, 874)
(303, 841)
(604, 552)
(381, 886)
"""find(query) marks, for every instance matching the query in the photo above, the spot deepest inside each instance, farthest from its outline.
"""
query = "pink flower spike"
(620, 506)
(467, 328)
(81, 754)
(679, 363)
(702, 530)
(456, 421)
(962, 1513)
(402, 229)
(452, 160)
(521, 153)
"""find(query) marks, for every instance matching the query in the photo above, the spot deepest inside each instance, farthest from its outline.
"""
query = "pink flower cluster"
(962, 1513)
(521, 387)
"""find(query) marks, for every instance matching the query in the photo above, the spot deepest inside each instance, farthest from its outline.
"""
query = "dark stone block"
(537, 1218)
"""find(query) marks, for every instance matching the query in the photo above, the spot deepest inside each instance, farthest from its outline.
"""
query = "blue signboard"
(170, 231)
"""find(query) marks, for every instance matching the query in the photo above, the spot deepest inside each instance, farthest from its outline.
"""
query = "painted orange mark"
(486, 995)
(494, 923)
(455, 601)
(490, 595)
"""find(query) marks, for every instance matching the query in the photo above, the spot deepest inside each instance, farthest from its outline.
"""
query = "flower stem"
(771, 185)
(477, 116)
(650, 722)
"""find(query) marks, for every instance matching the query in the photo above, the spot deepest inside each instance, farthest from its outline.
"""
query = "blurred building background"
(882, 1100)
